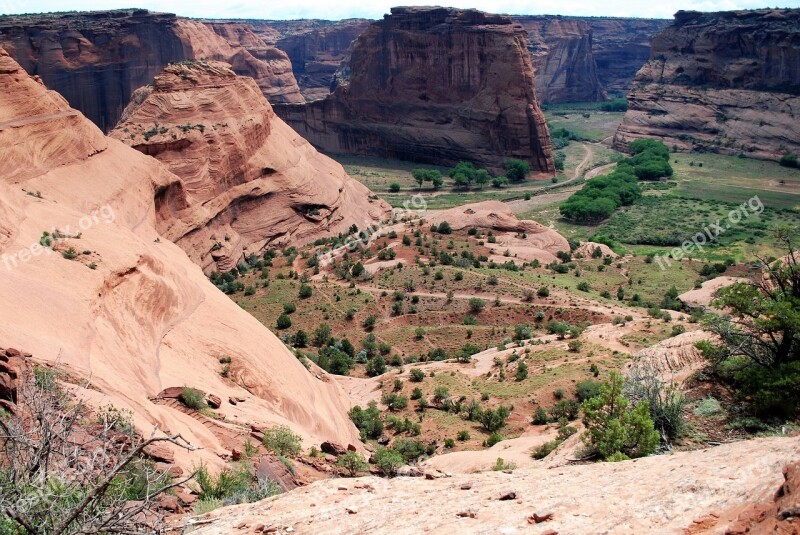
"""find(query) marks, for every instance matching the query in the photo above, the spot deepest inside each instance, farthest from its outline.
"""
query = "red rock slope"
(130, 312)
(434, 85)
(252, 181)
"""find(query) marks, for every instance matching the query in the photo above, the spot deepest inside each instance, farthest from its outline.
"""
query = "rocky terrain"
(724, 82)
(122, 310)
(96, 60)
(250, 180)
(562, 55)
(421, 91)
(708, 491)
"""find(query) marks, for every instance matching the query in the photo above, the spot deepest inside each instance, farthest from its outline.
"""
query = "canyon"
(723, 82)
(97, 60)
(420, 91)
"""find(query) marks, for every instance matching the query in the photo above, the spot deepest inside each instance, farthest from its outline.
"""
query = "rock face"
(620, 47)
(725, 82)
(251, 181)
(729, 476)
(248, 54)
(131, 312)
(96, 60)
(317, 49)
(434, 85)
(562, 55)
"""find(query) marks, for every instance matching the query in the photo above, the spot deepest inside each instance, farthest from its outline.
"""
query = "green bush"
(282, 441)
(305, 291)
(394, 187)
(353, 462)
(416, 375)
(612, 428)
(517, 170)
(193, 398)
(367, 421)
(388, 461)
(588, 389)
(494, 419)
(284, 322)
(289, 308)
(540, 416)
(789, 160)
(463, 435)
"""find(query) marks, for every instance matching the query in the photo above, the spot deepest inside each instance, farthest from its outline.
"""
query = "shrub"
(192, 398)
(540, 416)
(282, 441)
(544, 450)
(416, 375)
(284, 321)
(367, 421)
(575, 345)
(449, 443)
(376, 366)
(500, 465)
(394, 187)
(566, 408)
(543, 292)
(493, 439)
(789, 160)
(300, 339)
(517, 170)
(494, 419)
(463, 435)
(522, 372)
(305, 291)
(588, 389)
(369, 322)
(388, 461)
(353, 462)
(476, 304)
(613, 429)
(289, 308)
(444, 228)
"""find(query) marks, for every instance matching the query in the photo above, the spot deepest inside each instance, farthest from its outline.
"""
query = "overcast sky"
(338, 9)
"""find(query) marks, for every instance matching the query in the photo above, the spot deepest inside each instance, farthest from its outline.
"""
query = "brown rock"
(160, 452)
(232, 400)
(466, 514)
(270, 467)
(351, 447)
(169, 503)
(510, 495)
(236, 454)
(332, 448)
(466, 486)
(419, 90)
(352, 511)
(538, 518)
(213, 401)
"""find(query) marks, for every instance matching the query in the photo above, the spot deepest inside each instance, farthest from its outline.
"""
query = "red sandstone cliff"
(96, 60)
(131, 313)
(723, 82)
(562, 55)
(434, 85)
(251, 180)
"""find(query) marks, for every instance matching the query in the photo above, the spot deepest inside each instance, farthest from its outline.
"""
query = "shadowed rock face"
(434, 85)
(317, 49)
(96, 60)
(724, 82)
(561, 51)
(620, 47)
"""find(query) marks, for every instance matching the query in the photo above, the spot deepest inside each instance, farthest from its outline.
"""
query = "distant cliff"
(96, 60)
(434, 85)
(317, 49)
(620, 47)
(724, 82)
(561, 51)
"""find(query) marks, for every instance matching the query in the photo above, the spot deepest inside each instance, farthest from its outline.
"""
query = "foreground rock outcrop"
(434, 85)
(90, 286)
(561, 51)
(725, 82)
(250, 180)
(660, 494)
(96, 60)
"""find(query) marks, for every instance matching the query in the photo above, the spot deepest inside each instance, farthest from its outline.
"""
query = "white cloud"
(371, 9)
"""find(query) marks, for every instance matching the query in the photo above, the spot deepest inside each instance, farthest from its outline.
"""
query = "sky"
(373, 9)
